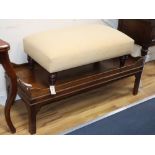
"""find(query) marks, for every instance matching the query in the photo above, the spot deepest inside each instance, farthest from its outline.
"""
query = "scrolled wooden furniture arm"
(4, 46)
(12, 87)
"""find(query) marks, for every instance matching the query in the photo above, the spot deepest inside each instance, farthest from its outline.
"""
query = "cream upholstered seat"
(60, 49)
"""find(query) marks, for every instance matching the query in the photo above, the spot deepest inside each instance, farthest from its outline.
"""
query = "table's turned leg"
(137, 83)
(12, 92)
(138, 75)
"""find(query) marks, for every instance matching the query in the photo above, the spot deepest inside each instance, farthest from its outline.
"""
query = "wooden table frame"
(34, 89)
(12, 88)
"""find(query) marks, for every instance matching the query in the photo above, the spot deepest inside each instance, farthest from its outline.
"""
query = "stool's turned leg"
(137, 83)
(12, 91)
(122, 60)
(32, 112)
(30, 62)
(52, 82)
(52, 78)
(97, 64)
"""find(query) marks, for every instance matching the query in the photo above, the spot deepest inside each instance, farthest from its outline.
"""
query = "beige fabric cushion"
(66, 48)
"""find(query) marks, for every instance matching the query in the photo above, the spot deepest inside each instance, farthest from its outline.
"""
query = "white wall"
(13, 32)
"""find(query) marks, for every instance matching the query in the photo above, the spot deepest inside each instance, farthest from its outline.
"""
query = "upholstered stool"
(66, 48)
